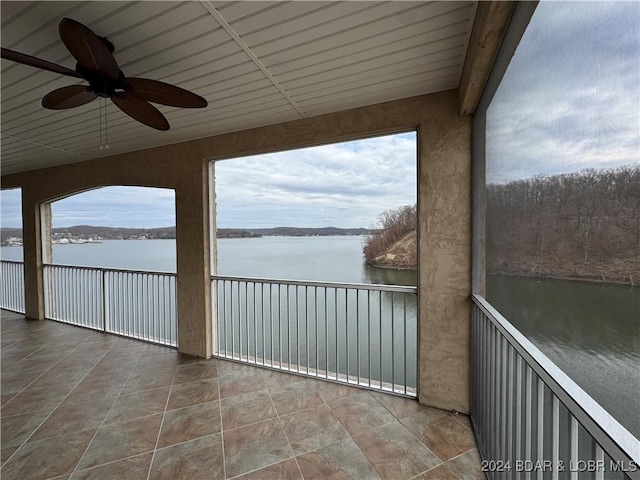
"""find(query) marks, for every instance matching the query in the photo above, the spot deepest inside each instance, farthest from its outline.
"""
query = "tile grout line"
(283, 431)
(164, 413)
(409, 431)
(107, 414)
(54, 408)
(45, 371)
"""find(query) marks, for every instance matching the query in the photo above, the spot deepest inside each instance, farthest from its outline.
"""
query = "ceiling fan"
(97, 66)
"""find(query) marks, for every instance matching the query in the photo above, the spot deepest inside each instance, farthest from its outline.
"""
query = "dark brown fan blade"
(163, 93)
(37, 63)
(87, 48)
(140, 110)
(68, 97)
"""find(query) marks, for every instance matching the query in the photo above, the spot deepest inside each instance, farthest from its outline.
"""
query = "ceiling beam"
(492, 19)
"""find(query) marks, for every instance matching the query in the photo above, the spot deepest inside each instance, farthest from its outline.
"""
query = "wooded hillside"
(393, 244)
(583, 225)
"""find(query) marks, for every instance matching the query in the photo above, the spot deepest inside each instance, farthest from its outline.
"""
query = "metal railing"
(360, 334)
(531, 420)
(131, 303)
(12, 285)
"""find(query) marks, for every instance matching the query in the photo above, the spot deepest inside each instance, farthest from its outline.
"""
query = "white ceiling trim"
(241, 43)
(42, 145)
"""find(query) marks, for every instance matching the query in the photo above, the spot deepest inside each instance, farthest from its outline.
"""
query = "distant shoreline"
(80, 233)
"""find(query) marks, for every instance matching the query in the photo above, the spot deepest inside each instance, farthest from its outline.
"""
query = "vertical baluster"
(164, 294)
(369, 334)
(510, 408)
(326, 333)
(271, 320)
(380, 293)
(264, 333)
(225, 317)
(528, 427)
(504, 406)
(336, 336)
(357, 292)
(231, 318)
(280, 324)
(598, 457)
(540, 451)
(555, 437)
(149, 302)
(288, 317)
(105, 300)
(483, 379)
(393, 342)
(65, 295)
(573, 447)
(306, 323)
(404, 364)
(129, 318)
(518, 423)
(246, 314)
(297, 290)
(346, 322)
(315, 336)
(495, 401)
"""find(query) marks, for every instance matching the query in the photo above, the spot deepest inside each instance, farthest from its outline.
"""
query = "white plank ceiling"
(257, 63)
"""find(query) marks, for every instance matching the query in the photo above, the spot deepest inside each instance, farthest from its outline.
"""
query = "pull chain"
(100, 116)
(102, 111)
(106, 126)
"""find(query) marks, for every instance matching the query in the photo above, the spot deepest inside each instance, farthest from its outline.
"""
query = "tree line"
(577, 225)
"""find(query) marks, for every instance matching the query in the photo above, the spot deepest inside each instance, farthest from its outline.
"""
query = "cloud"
(343, 185)
(117, 207)
(569, 99)
(11, 208)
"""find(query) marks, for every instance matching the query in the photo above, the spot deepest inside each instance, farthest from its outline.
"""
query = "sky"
(343, 185)
(570, 99)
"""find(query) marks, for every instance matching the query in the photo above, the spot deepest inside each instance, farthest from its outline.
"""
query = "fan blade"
(163, 93)
(87, 48)
(140, 110)
(37, 63)
(68, 97)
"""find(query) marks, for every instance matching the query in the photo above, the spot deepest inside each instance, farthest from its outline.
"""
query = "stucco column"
(36, 226)
(192, 248)
(444, 206)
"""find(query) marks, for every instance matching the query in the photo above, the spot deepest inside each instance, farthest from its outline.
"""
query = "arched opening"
(113, 262)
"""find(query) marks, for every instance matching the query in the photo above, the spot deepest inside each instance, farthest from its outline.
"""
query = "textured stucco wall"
(445, 261)
(444, 213)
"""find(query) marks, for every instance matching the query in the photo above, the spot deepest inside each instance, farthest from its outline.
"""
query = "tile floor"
(78, 404)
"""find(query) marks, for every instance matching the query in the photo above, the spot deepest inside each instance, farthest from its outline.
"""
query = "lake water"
(591, 331)
(330, 259)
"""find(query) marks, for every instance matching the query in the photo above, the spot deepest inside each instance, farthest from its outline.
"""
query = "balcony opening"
(292, 287)
(113, 262)
(12, 272)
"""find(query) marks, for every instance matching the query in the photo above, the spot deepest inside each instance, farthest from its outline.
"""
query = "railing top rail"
(306, 283)
(14, 262)
(605, 429)
(107, 269)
